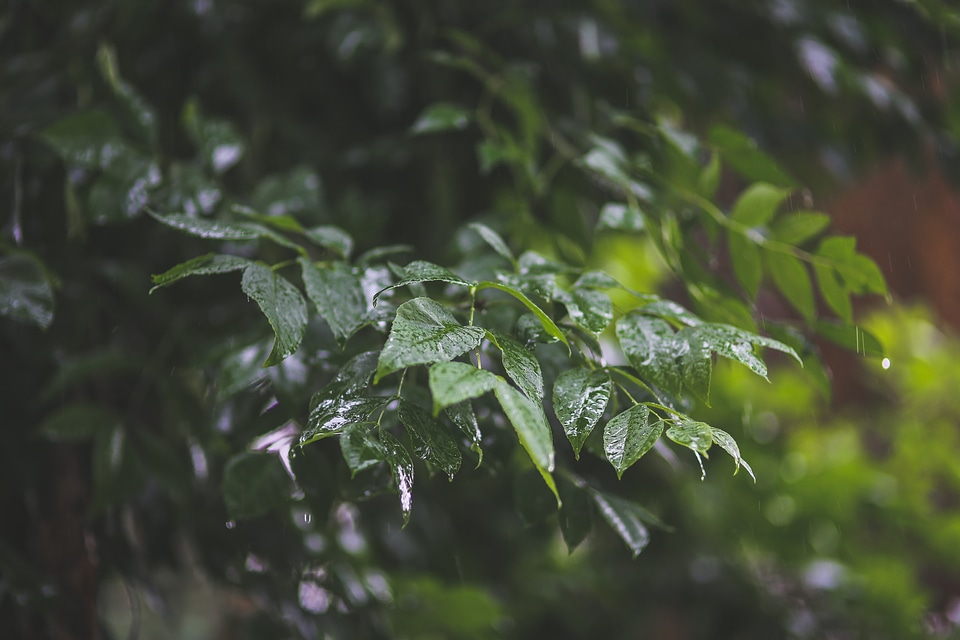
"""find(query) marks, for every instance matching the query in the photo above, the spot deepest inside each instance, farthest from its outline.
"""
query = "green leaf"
(431, 440)
(741, 153)
(696, 363)
(531, 425)
(441, 117)
(580, 397)
(620, 217)
(337, 293)
(422, 271)
(728, 444)
(598, 280)
(792, 279)
(209, 264)
(533, 500)
(282, 304)
(453, 382)
(851, 337)
(757, 205)
(216, 140)
(401, 467)
(745, 258)
(88, 139)
(709, 178)
(625, 518)
(797, 227)
(588, 309)
(331, 237)
(735, 344)
(361, 448)
(211, 229)
(859, 272)
(329, 419)
(548, 324)
(25, 293)
(493, 239)
(576, 514)
(650, 347)
(254, 483)
(696, 436)
(628, 436)
(424, 332)
(672, 311)
(462, 415)
(834, 291)
(520, 364)
(135, 105)
(78, 422)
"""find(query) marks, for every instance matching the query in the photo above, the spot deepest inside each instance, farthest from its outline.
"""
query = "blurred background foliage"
(120, 416)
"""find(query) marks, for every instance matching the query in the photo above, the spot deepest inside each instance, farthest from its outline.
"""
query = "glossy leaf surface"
(580, 397)
(629, 435)
(282, 304)
(337, 293)
(454, 382)
(431, 440)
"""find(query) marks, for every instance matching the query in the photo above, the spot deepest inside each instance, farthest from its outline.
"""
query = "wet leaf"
(25, 293)
(521, 365)
(758, 204)
(331, 237)
(329, 419)
(745, 258)
(576, 514)
(696, 436)
(625, 518)
(463, 417)
(282, 304)
(672, 311)
(424, 332)
(401, 467)
(337, 293)
(548, 325)
(209, 264)
(441, 117)
(792, 279)
(211, 229)
(431, 440)
(728, 444)
(580, 397)
(650, 347)
(696, 363)
(620, 217)
(422, 271)
(493, 239)
(254, 483)
(588, 309)
(361, 447)
(531, 425)
(629, 435)
(454, 382)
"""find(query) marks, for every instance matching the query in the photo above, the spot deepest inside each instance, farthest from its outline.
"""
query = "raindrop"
(231, 524)
(885, 363)
(307, 517)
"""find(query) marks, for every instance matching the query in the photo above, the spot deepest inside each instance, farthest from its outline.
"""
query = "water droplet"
(885, 363)
(231, 524)
(307, 517)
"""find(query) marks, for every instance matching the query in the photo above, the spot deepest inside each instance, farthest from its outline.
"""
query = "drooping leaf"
(709, 178)
(331, 237)
(361, 447)
(520, 364)
(441, 117)
(138, 108)
(625, 518)
(25, 293)
(650, 347)
(431, 440)
(401, 467)
(589, 309)
(580, 397)
(254, 483)
(599, 280)
(735, 344)
(859, 272)
(424, 332)
(576, 514)
(696, 436)
(281, 303)
(422, 271)
(205, 265)
(493, 239)
(337, 292)
(462, 415)
(728, 444)
(629, 435)
(620, 217)
(78, 422)
(745, 258)
(792, 279)
(696, 363)
(329, 419)
(671, 310)
(351, 380)
(757, 205)
(548, 324)
(799, 226)
(531, 425)
(454, 382)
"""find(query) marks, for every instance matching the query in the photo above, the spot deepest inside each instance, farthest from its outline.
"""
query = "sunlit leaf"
(580, 397)
(576, 514)
(424, 332)
(281, 303)
(629, 435)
